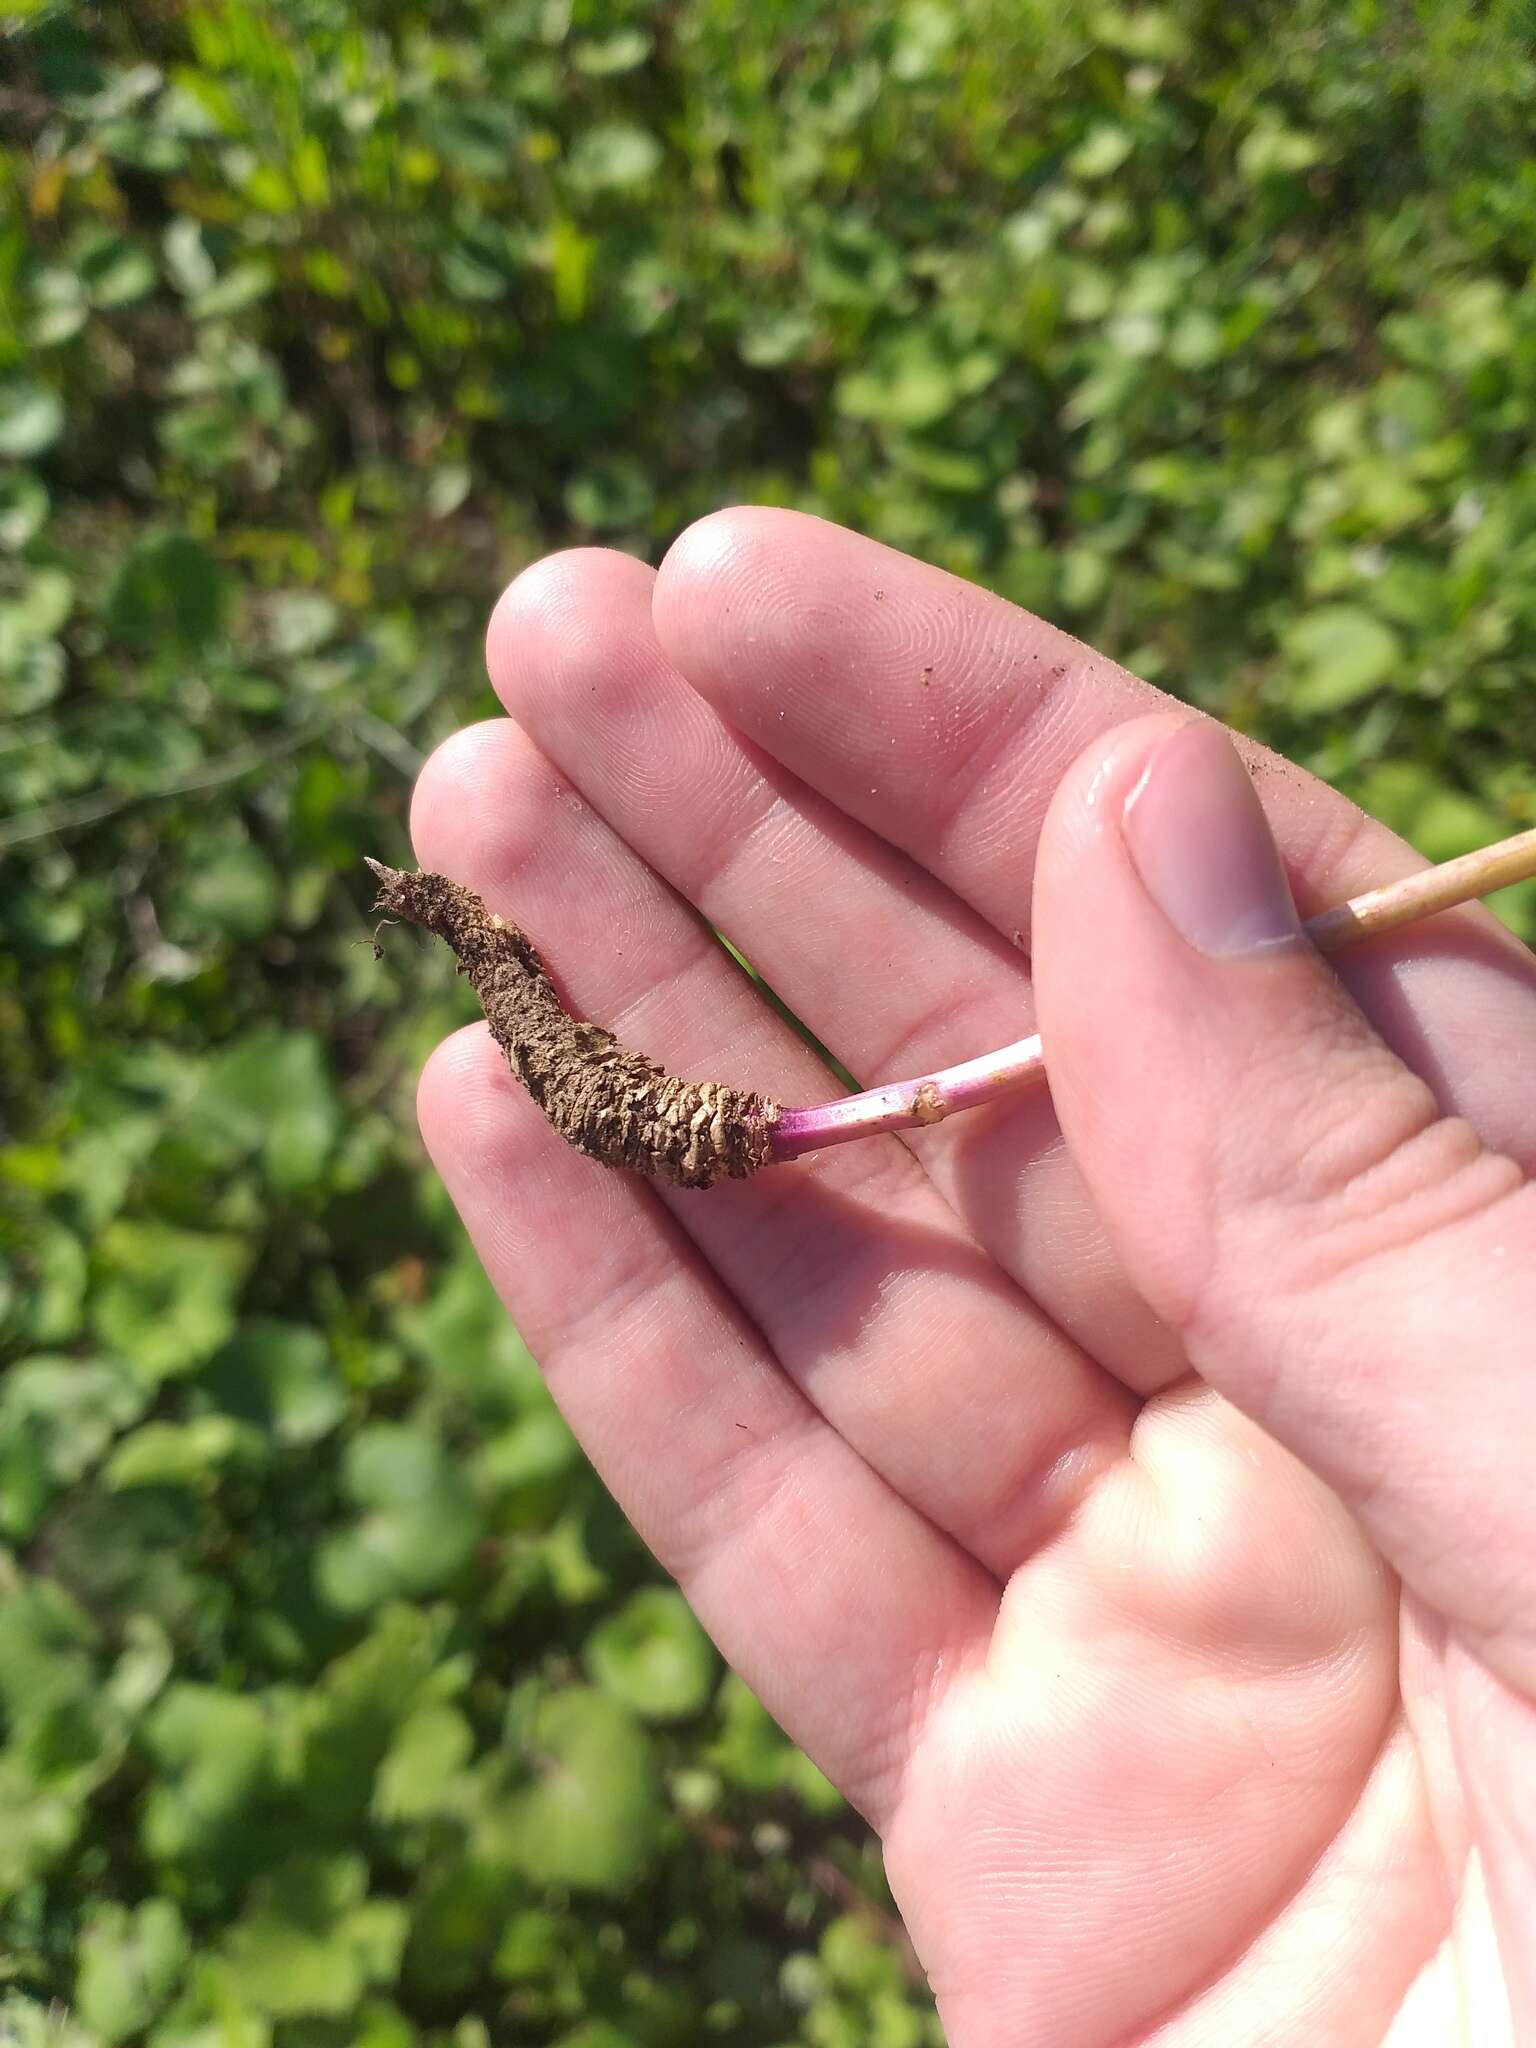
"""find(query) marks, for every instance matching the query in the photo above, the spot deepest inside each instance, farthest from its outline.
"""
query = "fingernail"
(1203, 848)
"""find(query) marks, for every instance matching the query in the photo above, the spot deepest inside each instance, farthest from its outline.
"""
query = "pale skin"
(1125, 1494)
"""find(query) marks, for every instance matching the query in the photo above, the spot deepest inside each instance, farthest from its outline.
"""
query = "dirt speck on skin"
(927, 675)
(1263, 765)
(608, 1101)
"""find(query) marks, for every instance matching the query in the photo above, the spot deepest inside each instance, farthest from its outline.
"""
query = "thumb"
(1349, 1265)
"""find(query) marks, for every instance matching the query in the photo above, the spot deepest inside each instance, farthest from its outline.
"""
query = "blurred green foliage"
(338, 1704)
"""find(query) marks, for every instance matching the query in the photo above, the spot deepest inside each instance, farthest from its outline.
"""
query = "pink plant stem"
(905, 1105)
(929, 1098)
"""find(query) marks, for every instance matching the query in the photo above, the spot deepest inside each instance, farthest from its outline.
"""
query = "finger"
(830, 915)
(937, 713)
(1346, 1261)
(837, 1603)
(944, 717)
(872, 1296)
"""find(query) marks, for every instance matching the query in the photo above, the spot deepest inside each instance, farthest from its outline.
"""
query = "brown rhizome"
(608, 1101)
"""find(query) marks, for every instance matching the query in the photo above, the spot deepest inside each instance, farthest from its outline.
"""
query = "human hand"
(1135, 1523)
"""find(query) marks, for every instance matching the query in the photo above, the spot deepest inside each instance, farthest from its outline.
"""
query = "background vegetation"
(339, 1706)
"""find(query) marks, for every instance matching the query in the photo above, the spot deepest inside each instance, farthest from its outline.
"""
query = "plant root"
(611, 1103)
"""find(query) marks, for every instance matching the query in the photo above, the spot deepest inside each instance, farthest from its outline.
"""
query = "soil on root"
(610, 1102)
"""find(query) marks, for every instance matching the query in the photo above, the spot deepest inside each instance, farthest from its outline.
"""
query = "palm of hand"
(1157, 1749)
(1188, 1777)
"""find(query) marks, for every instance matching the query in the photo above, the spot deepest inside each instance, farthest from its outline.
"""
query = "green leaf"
(39, 1823)
(212, 1751)
(855, 1958)
(1102, 152)
(48, 1645)
(78, 1405)
(419, 1529)
(424, 1773)
(313, 1941)
(607, 56)
(232, 894)
(130, 1963)
(1272, 150)
(244, 285)
(185, 1454)
(31, 417)
(190, 267)
(31, 660)
(23, 2023)
(611, 494)
(654, 1656)
(114, 269)
(270, 1092)
(530, 1947)
(23, 509)
(913, 379)
(851, 263)
(60, 308)
(1338, 654)
(529, 1462)
(25, 1485)
(753, 1752)
(781, 336)
(611, 155)
(166, 1301)
(54, 1308)
(348, 1723)
(463, 1336)
(168, 587)
(456, 1917)
(591, 1818)
(279, 1377)
(57, 1418)
(480, 137)
(299, 621)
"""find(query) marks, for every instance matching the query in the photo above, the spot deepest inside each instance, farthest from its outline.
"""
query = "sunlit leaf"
(23, 508)
(612, 154)
(654, 1656)
(166, 1300)
(1340, 654)
(31, 417)
(417, 1527)
(590, 1817)
(130, 1963)
(213, 1749)
(279, 1377)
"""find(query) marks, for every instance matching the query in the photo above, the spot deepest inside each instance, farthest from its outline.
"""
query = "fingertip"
(719, 540)
(724, 560)
(454, 1084)
(480, 1131)
(451, 786)
(548, 615)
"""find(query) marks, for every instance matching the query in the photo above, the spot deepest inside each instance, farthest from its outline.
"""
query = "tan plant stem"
(1421, 895)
